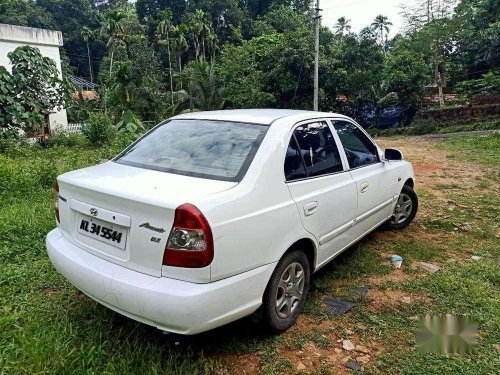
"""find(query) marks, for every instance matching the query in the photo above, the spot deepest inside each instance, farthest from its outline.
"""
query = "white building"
(47, 41)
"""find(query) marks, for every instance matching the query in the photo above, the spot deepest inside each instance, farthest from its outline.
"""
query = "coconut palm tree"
(88, 34)
(113, 28)
(165, 27)
(205, 89)
(382, 97)
(342, 26)
(380, 25)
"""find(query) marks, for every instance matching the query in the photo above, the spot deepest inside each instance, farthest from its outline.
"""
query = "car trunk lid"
(124, 214)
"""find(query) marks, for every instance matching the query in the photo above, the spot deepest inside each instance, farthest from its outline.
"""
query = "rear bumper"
(168, 304)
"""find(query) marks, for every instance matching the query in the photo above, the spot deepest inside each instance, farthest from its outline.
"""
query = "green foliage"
(25, 13)
(99, 129)
(60, 137)
(263, 51)
(130, 124)
(407, 72)
(478, 34)
(136, 82)
(205, 90)
(276, 69)
(31, 91)
(246, 85)
(423, 126)
(489, 83)
(11, 111)
(10, 138)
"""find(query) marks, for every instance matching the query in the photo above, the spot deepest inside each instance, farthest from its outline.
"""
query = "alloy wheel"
(290, 290)
(402, 210)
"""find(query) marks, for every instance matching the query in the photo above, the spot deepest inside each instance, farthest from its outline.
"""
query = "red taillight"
(56, 201)
(190, 243)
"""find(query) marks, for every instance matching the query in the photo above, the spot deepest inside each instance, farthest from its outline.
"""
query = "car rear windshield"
(219, 150)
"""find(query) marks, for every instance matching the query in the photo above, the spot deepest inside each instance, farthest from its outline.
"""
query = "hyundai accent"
(213, 216)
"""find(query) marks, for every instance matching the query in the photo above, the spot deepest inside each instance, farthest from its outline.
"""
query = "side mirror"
(392, 154)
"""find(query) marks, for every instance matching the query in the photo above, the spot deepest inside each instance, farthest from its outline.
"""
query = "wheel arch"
(409, 182)
(309, 247)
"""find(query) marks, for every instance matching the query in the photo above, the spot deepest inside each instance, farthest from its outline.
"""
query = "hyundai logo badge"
(93, 212)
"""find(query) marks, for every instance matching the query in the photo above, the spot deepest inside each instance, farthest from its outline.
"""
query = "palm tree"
(206, 34)
(342, 26)
(180, 43)
(123, 87)
(382, 98)
(113, 28)
(205, 89)
(199, 28)
(379, 25)
(88, 34)
(213, 43)
(163, 32)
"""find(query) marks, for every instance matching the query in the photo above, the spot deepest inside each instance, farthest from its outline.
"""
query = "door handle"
(310, 208)
(364, 187)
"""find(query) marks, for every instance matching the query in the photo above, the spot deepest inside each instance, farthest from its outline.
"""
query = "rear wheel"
(405, 209)
(286, 292)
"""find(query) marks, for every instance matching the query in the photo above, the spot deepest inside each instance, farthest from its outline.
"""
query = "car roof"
(265, 116)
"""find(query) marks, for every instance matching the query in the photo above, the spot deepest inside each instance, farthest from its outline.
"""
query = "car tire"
(286, 291)
(405, 209)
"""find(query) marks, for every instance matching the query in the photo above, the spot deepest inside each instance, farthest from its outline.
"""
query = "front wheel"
(286, 292)
(405, 209)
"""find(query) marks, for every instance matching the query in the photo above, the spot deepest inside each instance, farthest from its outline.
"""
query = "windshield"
(219, 150)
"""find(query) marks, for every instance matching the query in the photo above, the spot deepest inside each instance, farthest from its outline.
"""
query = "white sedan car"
(212, 216)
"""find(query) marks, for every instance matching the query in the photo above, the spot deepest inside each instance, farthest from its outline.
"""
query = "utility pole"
(317, 18)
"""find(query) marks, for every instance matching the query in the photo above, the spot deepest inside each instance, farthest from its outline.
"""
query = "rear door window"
(312, 152)
(359, 149)
(219, 150)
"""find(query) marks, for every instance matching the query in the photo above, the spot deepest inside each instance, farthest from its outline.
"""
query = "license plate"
(102, 231)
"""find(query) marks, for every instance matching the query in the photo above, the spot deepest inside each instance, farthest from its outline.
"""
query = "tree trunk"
(190, 93)
(202, 48)
(180, 67)
(382, 39)
(170, 72)
(90, 64)
(439, 84)
(111, 62)
(196, 48)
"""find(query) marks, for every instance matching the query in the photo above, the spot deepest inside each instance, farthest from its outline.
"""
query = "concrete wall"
(47, 41)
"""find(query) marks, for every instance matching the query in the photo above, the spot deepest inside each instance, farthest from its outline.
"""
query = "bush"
(99, 129)
(130, 124)
(60, 137)
(9, 138)
(423, 126)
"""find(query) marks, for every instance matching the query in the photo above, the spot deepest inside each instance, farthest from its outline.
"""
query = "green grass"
(481, 150)
(471, 289)
(47, 326)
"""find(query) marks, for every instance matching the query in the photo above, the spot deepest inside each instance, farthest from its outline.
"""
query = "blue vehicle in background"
(369, 116)
(389, 117)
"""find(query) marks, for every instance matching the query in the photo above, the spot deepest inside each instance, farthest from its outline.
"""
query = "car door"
(371, 175)
(325, 193)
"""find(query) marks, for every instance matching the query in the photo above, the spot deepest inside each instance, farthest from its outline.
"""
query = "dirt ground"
(434, 168)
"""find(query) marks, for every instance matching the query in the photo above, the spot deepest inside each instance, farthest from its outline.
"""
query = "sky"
(362, 12)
